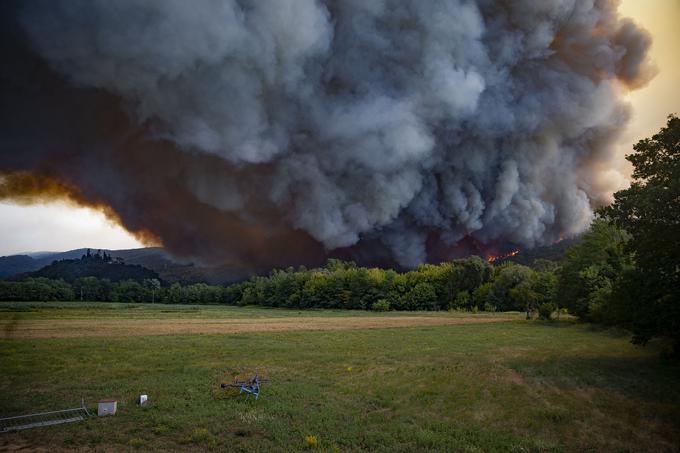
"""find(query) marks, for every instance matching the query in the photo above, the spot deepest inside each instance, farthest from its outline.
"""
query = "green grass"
(115, 310)
(515, 386)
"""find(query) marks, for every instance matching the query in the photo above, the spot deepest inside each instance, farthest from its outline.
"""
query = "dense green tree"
(94, 266)
(36, 289)
(92, 289)
(397, 288)
(590, 269)
(232, 294)
(152, 284)
(315, 290)
(174, 294)
(537, 290)
(470, 273)
(130, 291)
(546, 310)
(649, 210)
(422, 296)
(507, 277)
(543, 265)
(463, 300)
(481, 295)
(441, 278)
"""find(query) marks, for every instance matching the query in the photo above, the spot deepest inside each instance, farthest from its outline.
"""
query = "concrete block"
(107, 407)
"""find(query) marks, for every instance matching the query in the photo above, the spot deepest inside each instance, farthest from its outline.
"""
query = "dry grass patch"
(68, 328)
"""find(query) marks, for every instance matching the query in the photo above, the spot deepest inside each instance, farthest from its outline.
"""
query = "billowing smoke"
(274, 132)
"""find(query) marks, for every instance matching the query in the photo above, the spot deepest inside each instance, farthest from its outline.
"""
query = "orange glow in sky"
(654, 102)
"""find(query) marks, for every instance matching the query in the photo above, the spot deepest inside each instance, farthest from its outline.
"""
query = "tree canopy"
(649, 210)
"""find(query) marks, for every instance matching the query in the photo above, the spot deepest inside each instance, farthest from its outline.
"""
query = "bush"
(381, 305)
(546, 310)
(462, 300)
(201, 436)
(136, 442)
(489, 306)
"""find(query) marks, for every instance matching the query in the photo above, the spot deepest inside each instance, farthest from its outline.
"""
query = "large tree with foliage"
(650, 211)
(590, 271)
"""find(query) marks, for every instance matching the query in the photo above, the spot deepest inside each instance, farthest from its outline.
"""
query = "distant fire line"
(494, 258)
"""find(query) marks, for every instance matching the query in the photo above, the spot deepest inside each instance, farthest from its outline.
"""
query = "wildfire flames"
(494, 258)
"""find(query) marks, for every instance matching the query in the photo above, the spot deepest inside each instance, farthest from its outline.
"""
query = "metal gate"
(44, 419)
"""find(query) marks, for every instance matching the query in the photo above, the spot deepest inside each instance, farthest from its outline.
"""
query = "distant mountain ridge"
(157, 259)
(173, 270)
(29, 262)
(100, 265)
(17, 264)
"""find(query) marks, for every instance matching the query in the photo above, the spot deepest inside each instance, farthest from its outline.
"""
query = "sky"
(56, 227)
(59, 226)
(653, 103)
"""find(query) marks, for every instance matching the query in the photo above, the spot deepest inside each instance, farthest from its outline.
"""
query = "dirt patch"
(13, 442)
(67, 328)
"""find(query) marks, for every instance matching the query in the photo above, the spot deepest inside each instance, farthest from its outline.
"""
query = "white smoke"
(385, 119)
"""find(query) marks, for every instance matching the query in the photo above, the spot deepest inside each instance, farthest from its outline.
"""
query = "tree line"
(104, 290)
(465, 284)
(627, 270)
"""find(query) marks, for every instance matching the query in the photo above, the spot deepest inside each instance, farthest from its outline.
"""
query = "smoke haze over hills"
(269, 133)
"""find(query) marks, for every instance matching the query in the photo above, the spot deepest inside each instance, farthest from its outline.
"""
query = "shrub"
(201, 436)
(136, 442)
(462, 300)
(546, 310)
(489, 306)
(381, 305)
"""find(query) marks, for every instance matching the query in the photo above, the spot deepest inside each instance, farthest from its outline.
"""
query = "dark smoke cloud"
(273, 132)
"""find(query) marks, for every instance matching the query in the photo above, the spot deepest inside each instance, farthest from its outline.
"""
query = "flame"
(494, 258)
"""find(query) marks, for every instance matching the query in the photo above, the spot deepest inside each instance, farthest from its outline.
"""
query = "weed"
(201, 436)
(311, 441)
(136, 442)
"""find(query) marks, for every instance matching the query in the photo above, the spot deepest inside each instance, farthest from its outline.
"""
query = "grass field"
(510, 385)
(100, 320)
(113, 310)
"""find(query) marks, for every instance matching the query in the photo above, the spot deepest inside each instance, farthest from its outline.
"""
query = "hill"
(157, 259)
(171, 269)
(17, 264)
(100, 265)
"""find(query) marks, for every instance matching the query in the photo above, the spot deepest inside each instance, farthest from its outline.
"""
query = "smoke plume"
(276, 132)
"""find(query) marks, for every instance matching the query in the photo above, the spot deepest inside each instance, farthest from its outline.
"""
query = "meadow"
(464, 384)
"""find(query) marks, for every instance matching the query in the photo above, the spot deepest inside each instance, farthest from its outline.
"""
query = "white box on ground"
(142, 399)
(107, 407)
